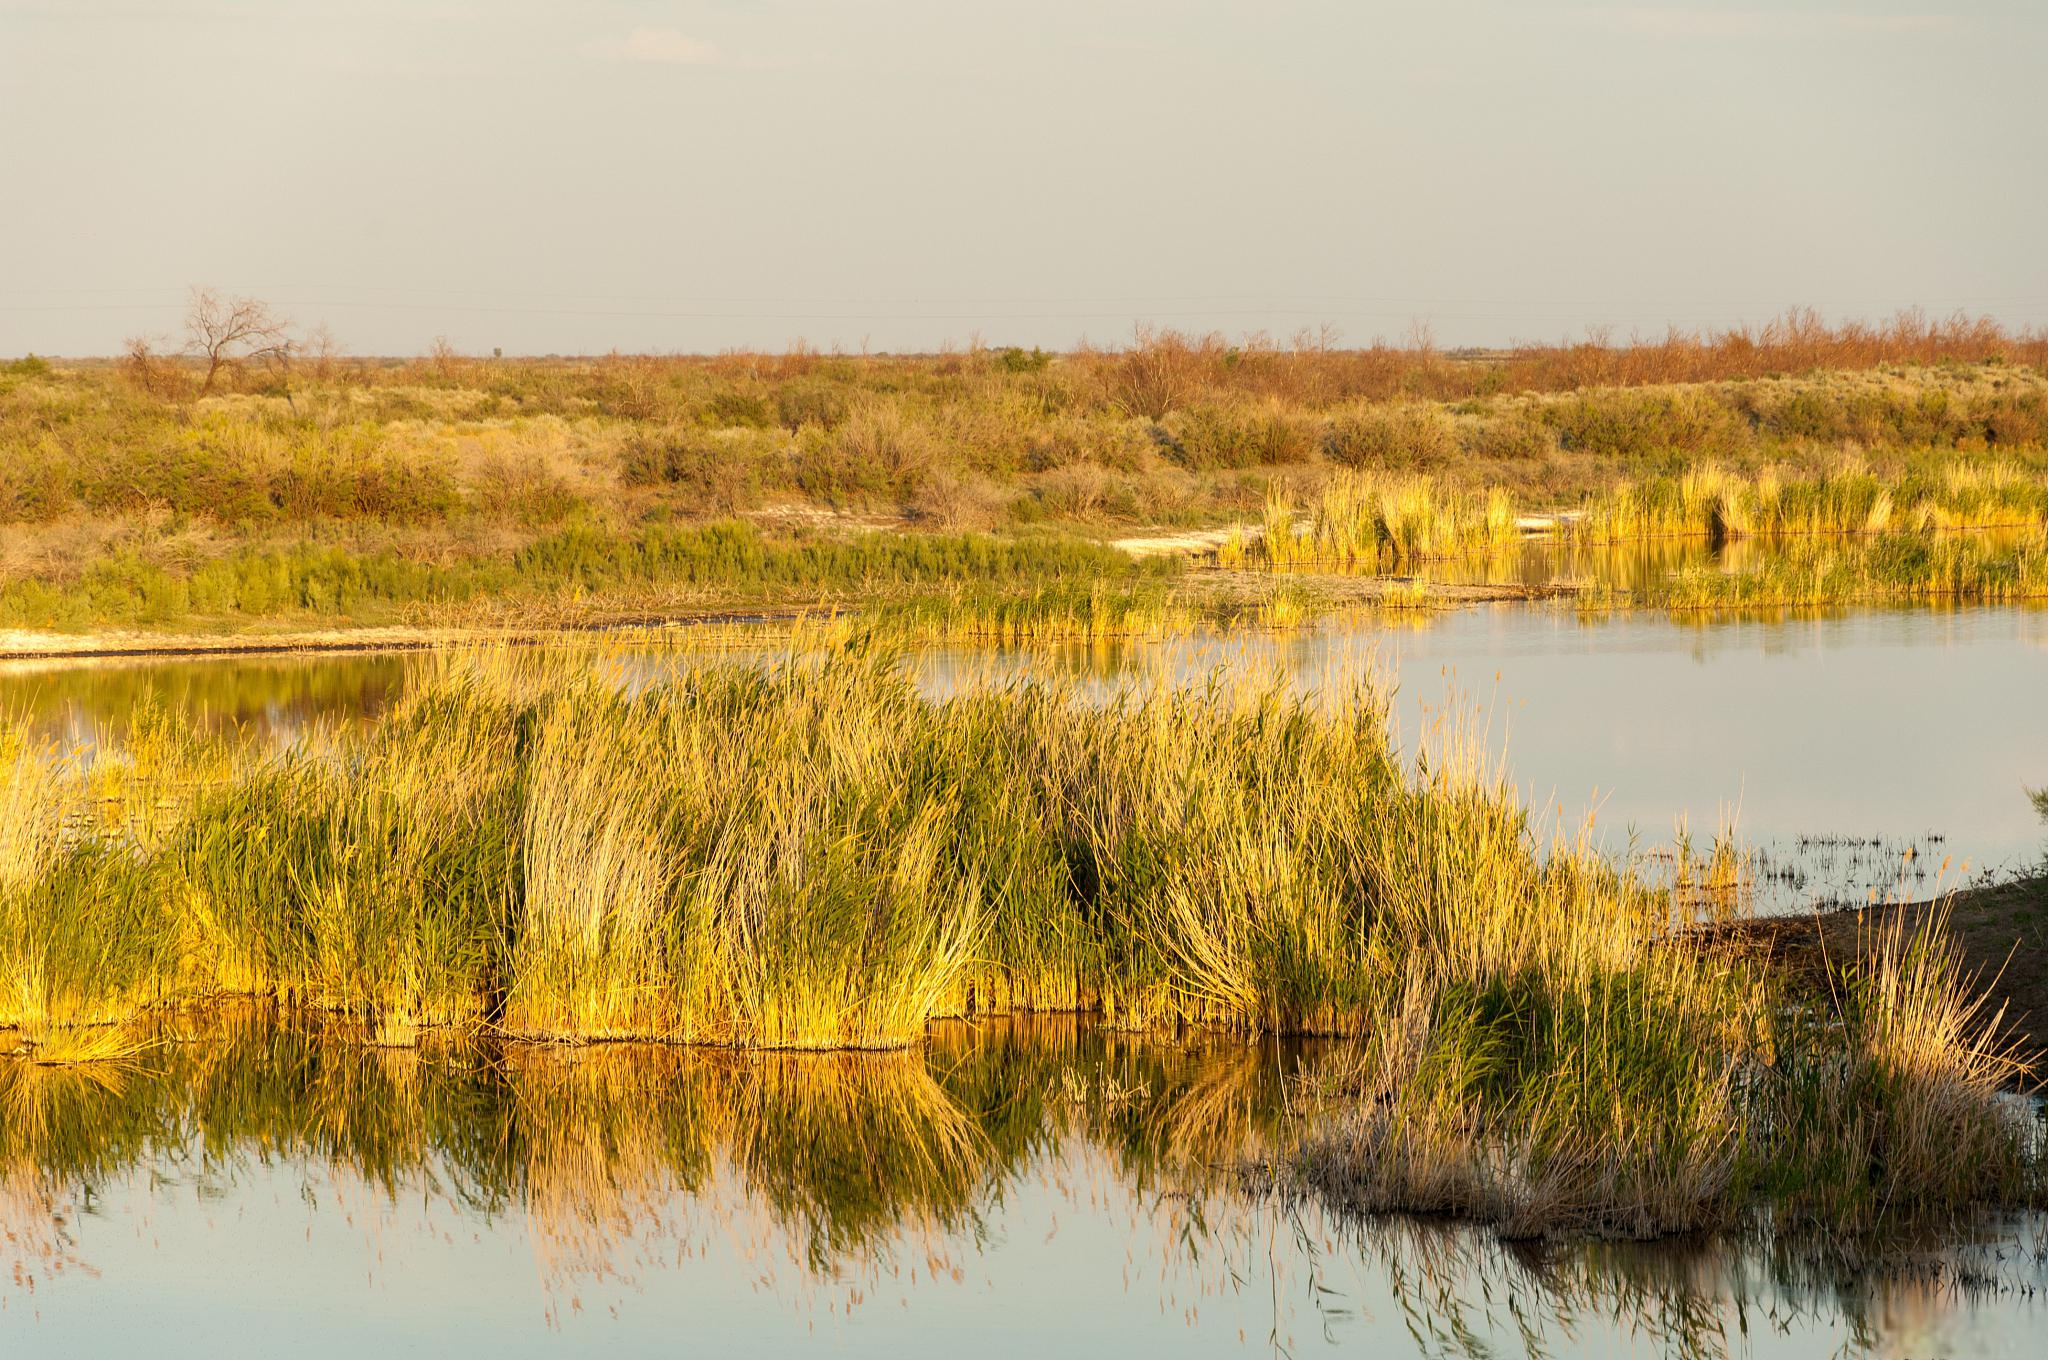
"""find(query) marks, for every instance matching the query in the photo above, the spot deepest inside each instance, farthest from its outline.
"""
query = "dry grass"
(450, 481)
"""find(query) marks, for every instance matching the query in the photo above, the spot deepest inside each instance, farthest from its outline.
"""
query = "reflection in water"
(887, 1198)
(275, 697)
(1635, 566)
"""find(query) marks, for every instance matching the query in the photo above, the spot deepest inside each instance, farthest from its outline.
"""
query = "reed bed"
(811, 853)
(804, 853)
(1711, 502)
(1375, 522)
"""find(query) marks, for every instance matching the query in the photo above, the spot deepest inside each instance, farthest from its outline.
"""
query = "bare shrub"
(152, 372)
(1406, 434)
(1162, 370)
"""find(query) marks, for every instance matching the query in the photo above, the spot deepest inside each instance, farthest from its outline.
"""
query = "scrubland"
(368, 491)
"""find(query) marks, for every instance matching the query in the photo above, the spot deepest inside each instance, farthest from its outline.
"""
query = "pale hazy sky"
(666, 175)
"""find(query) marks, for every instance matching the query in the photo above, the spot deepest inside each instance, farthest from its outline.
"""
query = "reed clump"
(1370, 521)
(1684, 1095)
(811, 852)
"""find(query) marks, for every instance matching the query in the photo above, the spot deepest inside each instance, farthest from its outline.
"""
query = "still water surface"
(1039, 1188)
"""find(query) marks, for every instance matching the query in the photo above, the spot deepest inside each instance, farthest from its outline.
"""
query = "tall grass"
(808, 853)
(1373, 522)
(812, 853)
(1710, 502)
(660, 565)
(1363, 521)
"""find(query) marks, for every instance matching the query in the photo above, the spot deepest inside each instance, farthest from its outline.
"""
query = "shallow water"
(1853, 754)
(1033, 1187)
(1015, 1188)
(1835, 745)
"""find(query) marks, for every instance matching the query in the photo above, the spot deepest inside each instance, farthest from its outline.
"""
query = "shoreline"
(2000, 931)
(42, 645)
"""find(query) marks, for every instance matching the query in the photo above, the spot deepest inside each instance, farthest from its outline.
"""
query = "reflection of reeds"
(617, 1159)
(834, 1155)
(1887, 568)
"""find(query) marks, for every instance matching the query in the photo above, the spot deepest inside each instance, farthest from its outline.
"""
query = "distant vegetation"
(1845, 535)
(258, 474)
(729, 557)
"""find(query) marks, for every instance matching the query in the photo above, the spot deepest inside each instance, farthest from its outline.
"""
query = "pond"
(1021, 1187)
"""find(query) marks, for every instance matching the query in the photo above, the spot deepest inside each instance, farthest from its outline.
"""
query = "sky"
(665, 175)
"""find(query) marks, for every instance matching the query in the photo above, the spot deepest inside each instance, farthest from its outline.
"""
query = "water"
(1015, 1188)
(1030, 1187)
(1855, 754)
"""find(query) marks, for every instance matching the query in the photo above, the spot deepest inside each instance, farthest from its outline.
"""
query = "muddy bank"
(24, 645)
(2001, 930)
(1204, 587)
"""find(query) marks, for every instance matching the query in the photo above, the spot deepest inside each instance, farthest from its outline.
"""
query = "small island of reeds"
(814, 853)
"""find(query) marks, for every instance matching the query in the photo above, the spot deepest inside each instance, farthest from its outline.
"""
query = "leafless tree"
(323, 350)
(447, 359)
(148, 368)
(224, 332)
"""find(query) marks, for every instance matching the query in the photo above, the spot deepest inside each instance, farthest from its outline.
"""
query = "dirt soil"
(26, 645)
(2002, 931)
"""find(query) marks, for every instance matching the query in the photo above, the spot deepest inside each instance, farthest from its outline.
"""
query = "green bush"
(34, 486)
(1625, 423)
(736, 409)
(1011, 359)
(1507, 438)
